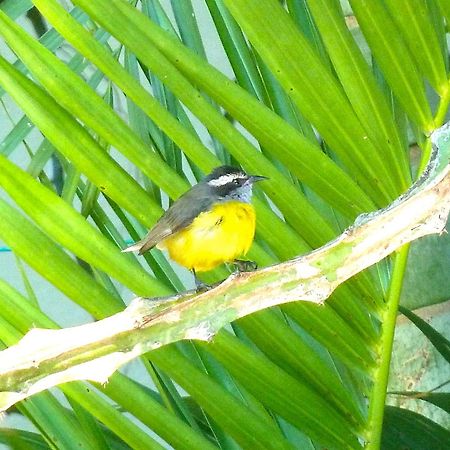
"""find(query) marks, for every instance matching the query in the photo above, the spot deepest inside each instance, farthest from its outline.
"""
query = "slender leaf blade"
(394, 59)
(69, 228)
(367, 99)
(247, 428)
(313, 89)
(413, 19)
(407, 429)
(35, 248)
(440, 343)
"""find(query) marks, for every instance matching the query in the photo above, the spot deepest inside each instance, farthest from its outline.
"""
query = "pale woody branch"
(46, 358)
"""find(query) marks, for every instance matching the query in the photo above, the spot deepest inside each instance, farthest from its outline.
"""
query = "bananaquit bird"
(212, 223)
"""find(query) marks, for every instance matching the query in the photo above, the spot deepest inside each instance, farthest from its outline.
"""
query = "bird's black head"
(231, 183)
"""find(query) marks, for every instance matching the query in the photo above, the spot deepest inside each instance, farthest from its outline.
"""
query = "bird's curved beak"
(255, 178)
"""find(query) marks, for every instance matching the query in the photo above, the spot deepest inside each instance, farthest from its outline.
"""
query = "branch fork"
(46, 358)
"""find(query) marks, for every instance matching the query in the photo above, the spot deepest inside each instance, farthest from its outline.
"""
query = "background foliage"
(119, 111)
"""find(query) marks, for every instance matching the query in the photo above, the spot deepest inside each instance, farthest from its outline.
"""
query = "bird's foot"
(241, 265)
(200, 286)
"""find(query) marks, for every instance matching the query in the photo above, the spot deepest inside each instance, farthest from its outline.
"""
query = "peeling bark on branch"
(46, 358)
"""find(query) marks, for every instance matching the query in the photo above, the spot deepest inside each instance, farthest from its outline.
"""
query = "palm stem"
(439, 118)
(381, 375)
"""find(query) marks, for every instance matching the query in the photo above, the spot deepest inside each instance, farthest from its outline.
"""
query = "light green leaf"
(15, 8)
(68, 136)
(414, 20)
(35, 248)
(314, 91)
(282, 393)
(394, 59)
(365, 96)
(69, 228)
(247, 428)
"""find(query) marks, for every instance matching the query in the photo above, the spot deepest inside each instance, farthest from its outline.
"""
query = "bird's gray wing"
(178, 216)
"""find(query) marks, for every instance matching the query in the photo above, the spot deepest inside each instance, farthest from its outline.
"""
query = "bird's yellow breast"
(219, 235)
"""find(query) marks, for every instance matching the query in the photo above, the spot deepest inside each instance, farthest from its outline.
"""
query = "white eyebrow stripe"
(225, 179)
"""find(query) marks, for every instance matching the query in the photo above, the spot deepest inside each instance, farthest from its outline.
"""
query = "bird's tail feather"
(142, 246)
(133, 247)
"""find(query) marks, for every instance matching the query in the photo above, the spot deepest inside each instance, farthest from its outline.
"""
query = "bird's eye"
(237, 182)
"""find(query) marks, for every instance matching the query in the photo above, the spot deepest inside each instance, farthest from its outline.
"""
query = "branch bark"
(46, 358)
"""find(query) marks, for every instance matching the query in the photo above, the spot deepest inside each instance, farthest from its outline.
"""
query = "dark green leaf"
(403, 429)
(441, 344)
